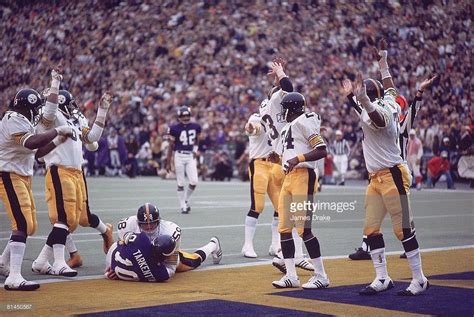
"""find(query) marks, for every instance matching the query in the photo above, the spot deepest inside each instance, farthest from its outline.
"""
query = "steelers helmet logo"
(61, 99)
(32, 98)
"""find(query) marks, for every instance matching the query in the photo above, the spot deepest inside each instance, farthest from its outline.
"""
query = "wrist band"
(54, 90)
(55, 83)
(385, 73)
(301, 158)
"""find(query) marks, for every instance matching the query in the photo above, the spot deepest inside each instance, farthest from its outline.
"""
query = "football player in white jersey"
(148, 220)
(66, 193)
(18, 143)
(388, 190)
(301, 146)
(270, 112)
(260, 174)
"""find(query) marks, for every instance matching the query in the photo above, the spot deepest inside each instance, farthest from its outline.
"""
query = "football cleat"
(75, 260)
(217, 253)
(188, 207)
(360, 254)
(4, 269)
(184, 210)
(63, 270)
(287, 282)
(377, 286)
(279, 263)
(248, 252)
(317, 281)
(304, 264)
(20, 284)
(44, 268)
(415, 288)
(107, 237)
(272, 251)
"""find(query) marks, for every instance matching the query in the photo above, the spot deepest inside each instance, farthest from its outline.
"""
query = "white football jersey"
(69, 153)
(259, 144)
(380, 145)
(301, 136)
(270, 118)
(130, 224)
(14, 157)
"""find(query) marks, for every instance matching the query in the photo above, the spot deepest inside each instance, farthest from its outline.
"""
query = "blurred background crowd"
(213, 56)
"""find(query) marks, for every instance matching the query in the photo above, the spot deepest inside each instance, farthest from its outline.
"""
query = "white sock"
(17, 251)
(208, 248)
(70, 245)
(380, 262)
(275, 234)
(182, 200)
(250, 227)
(318, 266)
(298, 244)
(414, 260)
(290, 268)
(45, 255)
(364, 246)
(58, 251)
(101, 227)
(5, 258)
(189, 192)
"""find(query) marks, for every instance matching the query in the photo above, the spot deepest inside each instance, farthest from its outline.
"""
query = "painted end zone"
(213, 307)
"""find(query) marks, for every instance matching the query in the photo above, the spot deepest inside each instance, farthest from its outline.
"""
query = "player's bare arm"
(314, 155)
(169, 154)
(360, 92)
(44, 150)
(381, 55)
(38, 140)
(93, 135)
(425, 85)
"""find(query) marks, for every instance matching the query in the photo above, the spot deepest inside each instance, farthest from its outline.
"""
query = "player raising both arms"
(66, 193)
(184, 141)
(389, 180)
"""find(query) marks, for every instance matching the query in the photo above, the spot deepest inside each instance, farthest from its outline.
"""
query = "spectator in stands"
(414, 155)
(438, 166)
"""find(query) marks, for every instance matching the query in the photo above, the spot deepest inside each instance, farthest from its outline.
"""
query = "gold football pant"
(261, 182)
(296, 193)
(66, 196)
(17, 197)
(188, 261)
(388, 191)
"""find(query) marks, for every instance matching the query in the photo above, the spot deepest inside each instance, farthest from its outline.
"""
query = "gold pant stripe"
(62, 216)
(14, 202)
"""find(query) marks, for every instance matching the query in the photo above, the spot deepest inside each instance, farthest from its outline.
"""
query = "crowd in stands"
(213, 56)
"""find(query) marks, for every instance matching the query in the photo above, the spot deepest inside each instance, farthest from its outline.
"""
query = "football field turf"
(240, 286)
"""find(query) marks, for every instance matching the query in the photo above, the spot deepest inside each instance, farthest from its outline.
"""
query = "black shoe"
(360, 254)
(185, 211)
(403, 255)
(341, 183)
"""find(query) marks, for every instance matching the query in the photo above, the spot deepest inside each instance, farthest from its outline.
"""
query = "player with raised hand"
(184, 141)
(270, 112)
(260, 174)
(66, 192)
(18, 143)
(302, 145)
(389, 177)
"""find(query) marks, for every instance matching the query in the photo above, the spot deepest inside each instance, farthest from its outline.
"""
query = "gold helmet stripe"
(376, 87)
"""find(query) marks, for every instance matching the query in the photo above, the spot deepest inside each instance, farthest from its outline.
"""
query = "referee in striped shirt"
(340, 149)
(406, 124)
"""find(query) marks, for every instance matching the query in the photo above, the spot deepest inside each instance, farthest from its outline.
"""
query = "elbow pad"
(94, 134)
(49, 111)
(92, 147)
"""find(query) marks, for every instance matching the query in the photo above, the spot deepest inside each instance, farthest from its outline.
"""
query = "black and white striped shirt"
(341, 147)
